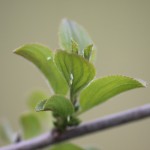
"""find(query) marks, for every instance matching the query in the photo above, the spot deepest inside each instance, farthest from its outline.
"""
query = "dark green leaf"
(58, 104)
(31, 126)
(42, 57)
(70, 30)
(77, 71)
(102, 89)
(66, 146)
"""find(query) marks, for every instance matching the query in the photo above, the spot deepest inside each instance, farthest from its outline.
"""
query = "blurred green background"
(121, 31)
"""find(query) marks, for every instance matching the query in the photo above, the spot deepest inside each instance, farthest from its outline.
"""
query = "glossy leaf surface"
(42, 57)
(104, 88)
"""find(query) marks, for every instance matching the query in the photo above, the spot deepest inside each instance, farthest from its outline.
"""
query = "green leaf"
(31, 126)
(6, 132)
(88, 52)
(58, 104)
(41, 105)
(77, 71)
(42, 57)
(66, 146)
(70, 30)
(75, 48)
(35, 97)
(104, 88)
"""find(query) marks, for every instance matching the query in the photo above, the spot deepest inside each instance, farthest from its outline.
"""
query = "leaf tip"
(40, 106)
(17, 50)
(142, 82)
(64, 20)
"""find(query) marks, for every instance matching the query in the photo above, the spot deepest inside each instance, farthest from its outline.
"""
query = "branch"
(113, 120)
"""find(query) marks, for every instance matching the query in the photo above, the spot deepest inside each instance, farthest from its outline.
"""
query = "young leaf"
(40, 106)
(75, 48)
(35, 97)
(71, 30)
(58, 104)
(31, 126)
(77, 71)
(88, 52)
(66, 146)
(42, 57)
(104, 88)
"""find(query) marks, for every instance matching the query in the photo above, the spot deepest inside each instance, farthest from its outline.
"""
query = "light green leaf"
(104, 88)
(75, 48)
(41, 105)
(6, 132)
(66, 146)
(77, 71)
(58, 104)
(88, 52)
(42, 57)
(35, 97)
(30, 124)
(70, 30)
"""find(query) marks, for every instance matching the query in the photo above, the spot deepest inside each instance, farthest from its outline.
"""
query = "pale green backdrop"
(121, 31)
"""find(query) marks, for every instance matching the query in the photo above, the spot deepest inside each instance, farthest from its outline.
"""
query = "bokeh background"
(121, 31)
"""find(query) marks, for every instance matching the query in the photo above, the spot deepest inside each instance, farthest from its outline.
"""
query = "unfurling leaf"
(88, 52)
(77, 71)
(42, 57)
(104, 88)
(58, 104)
(41, 105)
(35, 97)
(70, 30)
(75, 48)
(31, 126)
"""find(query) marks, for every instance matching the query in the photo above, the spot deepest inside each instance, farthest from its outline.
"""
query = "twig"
(48, 139)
